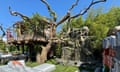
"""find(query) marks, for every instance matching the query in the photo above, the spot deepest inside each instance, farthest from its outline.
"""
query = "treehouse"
(22, 34)
(37, 33)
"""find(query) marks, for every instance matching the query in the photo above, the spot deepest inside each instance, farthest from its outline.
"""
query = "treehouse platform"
(26, 39)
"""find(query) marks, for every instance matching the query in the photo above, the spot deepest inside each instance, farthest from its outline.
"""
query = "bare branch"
(73, 5)
(52, 13)
(63, 19)
(91, 4)
(14, 13)
(1, 28)
(68, 13)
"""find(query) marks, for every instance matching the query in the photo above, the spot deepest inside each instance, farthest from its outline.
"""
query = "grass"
(62, 68)
(59, 68)
(31, 64)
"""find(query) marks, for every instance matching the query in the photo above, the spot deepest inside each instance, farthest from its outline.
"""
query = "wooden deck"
(26, 39)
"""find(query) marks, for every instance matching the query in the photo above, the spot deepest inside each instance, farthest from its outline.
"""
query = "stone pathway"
(98, 69)
(84, 71)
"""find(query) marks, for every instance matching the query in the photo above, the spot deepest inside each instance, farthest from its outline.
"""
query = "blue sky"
(29, 7)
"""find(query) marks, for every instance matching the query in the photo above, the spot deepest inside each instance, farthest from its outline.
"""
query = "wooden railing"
(26, 37)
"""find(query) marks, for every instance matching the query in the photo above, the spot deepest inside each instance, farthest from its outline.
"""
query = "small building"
(111, 50)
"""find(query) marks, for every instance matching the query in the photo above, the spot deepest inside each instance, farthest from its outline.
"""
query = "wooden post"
(18, 48)
(30, 52)
(23, 49)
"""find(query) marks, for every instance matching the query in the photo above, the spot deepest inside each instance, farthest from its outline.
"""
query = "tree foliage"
(99, 23)
(2, 45)
(35, 24)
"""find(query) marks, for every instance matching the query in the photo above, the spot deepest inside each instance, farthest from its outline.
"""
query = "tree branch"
(68, 13)
(52, 13)
(14, 13)
(1, 28)
(73, 5)
(63, 19)
(91, 4)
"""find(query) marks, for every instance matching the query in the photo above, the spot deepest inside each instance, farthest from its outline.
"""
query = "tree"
(53, 24)
(99, 25)
(2, 43)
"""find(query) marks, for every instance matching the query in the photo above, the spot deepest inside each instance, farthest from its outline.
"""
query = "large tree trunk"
(38, 57)
(42, 57)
